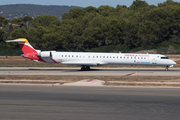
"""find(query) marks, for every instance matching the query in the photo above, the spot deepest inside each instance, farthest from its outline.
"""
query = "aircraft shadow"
(75, 70)
(104, 69)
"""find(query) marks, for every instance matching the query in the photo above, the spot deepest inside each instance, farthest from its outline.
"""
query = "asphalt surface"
(95, 71)
(40, 102)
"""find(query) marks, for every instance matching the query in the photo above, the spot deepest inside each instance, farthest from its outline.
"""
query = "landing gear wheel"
(167, 68)
(82, 68)
(87, 68)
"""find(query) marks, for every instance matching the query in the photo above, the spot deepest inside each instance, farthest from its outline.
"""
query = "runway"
(37, 102)
(95, 71)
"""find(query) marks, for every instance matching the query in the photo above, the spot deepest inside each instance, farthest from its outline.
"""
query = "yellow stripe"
(35, 73)
(23, 39)
(135, 74)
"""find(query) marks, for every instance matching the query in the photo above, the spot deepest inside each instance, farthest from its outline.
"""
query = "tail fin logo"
(25, 45)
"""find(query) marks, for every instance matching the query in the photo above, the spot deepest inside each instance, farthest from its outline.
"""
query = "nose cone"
(173, 63)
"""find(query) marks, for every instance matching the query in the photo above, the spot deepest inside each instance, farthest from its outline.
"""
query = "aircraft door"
(154, 61)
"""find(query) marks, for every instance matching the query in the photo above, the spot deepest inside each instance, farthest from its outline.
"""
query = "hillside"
(21, 10)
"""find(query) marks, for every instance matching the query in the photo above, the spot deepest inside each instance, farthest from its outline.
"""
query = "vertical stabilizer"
(25, 46)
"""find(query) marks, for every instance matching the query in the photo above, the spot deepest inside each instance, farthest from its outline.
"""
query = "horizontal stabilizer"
(18, 41)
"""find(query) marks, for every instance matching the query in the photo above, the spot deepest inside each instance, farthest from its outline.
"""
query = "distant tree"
(105, 10)
(44, 20)
(18, 33)
(17, 21)
(91, 9)
(76, 12)
(3, 21)
(2, 36)
(137, 4)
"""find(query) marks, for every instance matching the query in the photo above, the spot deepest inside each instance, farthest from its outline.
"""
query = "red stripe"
(54, 61)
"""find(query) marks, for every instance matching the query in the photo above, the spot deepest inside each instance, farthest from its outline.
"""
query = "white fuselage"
(87, 59)
(93, 59)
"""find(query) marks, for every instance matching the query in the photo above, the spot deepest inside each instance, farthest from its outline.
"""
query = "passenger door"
(154, 61)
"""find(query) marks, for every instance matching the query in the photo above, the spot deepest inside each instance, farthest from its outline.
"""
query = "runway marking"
(35, 74)
(133, 74)
(88, 81)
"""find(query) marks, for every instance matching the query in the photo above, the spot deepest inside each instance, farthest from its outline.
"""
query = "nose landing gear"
(85, 68)
(167, 68)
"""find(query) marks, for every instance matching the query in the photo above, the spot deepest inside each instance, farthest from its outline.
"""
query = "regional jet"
(87, 59)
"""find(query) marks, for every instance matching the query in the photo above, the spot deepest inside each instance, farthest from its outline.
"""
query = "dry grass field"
(109, 80)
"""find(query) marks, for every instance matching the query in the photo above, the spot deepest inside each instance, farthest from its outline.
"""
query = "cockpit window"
(164, 58)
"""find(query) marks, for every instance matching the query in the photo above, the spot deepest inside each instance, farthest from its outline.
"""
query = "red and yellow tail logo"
(28, 50)
(25, 46)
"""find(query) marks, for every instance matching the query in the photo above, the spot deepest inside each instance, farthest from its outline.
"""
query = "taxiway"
(44, 102)
(95, 71)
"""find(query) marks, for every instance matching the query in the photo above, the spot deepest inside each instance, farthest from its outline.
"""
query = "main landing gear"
(167, 68)
(85, 68)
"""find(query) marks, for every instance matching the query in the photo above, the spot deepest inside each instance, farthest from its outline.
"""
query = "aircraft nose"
(174, 63)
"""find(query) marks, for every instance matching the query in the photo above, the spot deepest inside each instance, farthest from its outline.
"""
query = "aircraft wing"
(80, 63)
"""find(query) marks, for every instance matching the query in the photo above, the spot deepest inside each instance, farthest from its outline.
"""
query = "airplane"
(88, 59)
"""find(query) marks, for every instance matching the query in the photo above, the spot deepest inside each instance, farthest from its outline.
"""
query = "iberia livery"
(87, 59)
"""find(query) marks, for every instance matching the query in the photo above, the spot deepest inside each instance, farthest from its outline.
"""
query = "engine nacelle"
(46, 54)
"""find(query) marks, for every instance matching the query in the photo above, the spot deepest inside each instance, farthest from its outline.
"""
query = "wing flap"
(80, 63)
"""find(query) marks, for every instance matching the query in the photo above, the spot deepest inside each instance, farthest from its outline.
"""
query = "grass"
(108, 79)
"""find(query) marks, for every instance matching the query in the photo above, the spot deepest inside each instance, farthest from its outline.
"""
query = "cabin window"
(141, 57)
(107, 56)
(120, 57)
(69, 55)
(138, 57)
(62, 55)
(113, 57)
(65, 55)
(131, 57)
(134, 57)
(124, 57)
(164, 58)
(96, 56)
(117, 56)
(103, 56)
(88, 56)
(72, 55)
(83, 56)
(100, 56)
(93, 56)
(144, 57)
(127, 57)
(76, 55)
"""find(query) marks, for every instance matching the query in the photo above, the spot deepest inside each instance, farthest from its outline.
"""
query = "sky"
(80, 3)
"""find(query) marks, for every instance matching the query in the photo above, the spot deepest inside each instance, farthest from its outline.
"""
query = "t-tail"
(27, 49)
